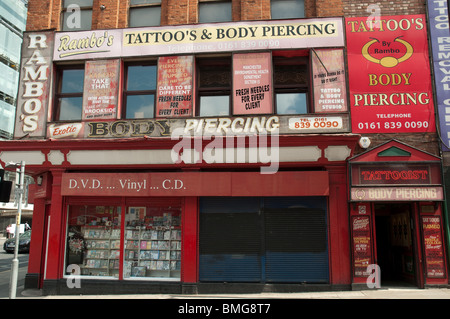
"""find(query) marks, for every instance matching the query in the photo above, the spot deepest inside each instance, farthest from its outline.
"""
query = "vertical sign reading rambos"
(440, 45)
(252, 83)
(32, 100)
(174, 96)
(101, 88)
(330, 94)
(389, 75)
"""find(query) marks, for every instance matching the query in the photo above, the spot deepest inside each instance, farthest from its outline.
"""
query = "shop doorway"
(395, 249)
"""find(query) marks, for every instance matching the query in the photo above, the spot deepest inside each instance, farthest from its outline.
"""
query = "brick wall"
(352, 8)
(46, 14)
(39, 14)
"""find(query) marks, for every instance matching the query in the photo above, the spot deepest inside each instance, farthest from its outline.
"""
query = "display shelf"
(152, 251)
(153, 247)
(102, 251)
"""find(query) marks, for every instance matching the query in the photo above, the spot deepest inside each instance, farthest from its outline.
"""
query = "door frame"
(415, 236)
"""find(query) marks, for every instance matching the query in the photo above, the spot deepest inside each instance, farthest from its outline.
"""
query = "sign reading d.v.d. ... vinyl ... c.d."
(389, 75)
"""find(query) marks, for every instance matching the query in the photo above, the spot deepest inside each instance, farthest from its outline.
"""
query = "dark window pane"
(141, 78)
(140, 106)
(72, 81)
(145, 17)
(78, 20)
(214, 12)
(80, 3)
(287, 9)
(215, 76)
(70, 108)
(135, 2)
(290, 74)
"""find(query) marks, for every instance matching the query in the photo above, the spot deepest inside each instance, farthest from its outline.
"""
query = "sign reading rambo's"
(199, 38)
(32, 100)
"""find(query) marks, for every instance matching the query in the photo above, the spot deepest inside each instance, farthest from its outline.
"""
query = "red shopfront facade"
(103, 222)
(397, 218)
(173, 195)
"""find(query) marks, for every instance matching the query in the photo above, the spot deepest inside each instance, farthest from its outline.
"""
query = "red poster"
(252, 83)
(389, 75)
(101, 89)
(362, 251)
(174, 96)
(330, 94)
(434, 255)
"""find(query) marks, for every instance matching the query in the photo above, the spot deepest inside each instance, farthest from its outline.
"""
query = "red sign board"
(434, 255)
(174, 96)
(389, 75)
(376, 175)
(397, 194)
(196, 184)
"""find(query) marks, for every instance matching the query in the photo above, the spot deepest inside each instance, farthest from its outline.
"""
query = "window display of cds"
(152, 244)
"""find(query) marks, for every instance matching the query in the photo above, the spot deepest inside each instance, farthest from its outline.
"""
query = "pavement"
(381, 293)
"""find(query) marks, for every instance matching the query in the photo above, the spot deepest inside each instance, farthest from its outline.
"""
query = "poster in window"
(434, 255)
(362, 250)
(330, 93)
(174, 96)
(252, 83)
(389, 75)
(101, 89)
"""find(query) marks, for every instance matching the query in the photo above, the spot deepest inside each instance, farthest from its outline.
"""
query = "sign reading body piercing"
(389, 77)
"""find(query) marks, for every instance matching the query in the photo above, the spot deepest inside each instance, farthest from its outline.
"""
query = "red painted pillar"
(56, 229)
(339, 226)
(190, 240)
(36, 236)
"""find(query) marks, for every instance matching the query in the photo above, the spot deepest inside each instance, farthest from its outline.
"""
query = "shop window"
(152, 248)
(290, 79)
(145, 13)
(140, 91)
(287, 9)
(214, 11)
(93, 241)
(214, 86)
(76, 15)
(69, 94)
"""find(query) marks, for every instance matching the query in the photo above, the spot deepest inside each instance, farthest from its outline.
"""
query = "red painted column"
(339, 240)
(56, 229)
(36, 245)
(190, 241)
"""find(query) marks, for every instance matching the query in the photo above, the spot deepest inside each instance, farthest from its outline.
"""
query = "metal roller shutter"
(230, 240)
(296, 240)
(282, 239)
